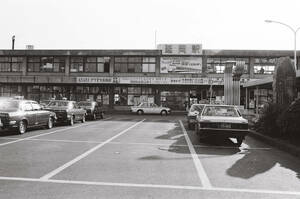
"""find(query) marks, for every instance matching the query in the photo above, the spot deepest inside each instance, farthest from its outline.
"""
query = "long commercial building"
(121, 78)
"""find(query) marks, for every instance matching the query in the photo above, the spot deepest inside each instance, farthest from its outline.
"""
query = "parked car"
(195, 110)
(150, 108)
(23, 114)
(67, 111)
(93, 109)
(221, 120)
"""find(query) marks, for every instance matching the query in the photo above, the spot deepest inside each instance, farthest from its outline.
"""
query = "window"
(168, 49)
(11, 64)
(76, 64)
(195, 49)
(182, 49)
(90, 64)
(264, 65)
(149, 64)
(36, 106)
(135, 64)
(46, 64)
(217, 64)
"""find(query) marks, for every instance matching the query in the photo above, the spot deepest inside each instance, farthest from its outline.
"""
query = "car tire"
(50, 123)
(163, 113)
(22, 127)
(83, 119)
(140, 112)
(239, 141)
(71, 121)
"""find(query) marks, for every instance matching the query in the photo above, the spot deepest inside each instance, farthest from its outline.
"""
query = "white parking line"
(200, 170)
(160, 186)
(78, 158)
(143, 144)
(35, 136)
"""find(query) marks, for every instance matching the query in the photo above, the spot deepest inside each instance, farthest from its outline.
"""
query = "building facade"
(122, 78)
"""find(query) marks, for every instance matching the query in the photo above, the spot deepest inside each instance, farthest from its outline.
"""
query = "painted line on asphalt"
(43, 134)
(141, 143)
(78, 158)
(199, 167)
(160, 186)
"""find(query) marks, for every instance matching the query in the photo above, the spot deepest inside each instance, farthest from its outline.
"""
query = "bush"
(289, 122)
(268, 120)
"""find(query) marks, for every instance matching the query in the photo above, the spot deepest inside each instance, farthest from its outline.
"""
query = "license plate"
(225, 125)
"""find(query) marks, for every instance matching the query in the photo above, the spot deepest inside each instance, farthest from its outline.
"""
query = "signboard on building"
(96, 80)
(181, 64)
(154, 80)
(180, 49)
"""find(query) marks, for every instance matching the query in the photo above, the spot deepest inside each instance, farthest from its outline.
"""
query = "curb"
(282, 145)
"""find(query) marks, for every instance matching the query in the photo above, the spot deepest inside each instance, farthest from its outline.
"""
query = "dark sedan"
(93, 109)
(22, 114)
(67, 111)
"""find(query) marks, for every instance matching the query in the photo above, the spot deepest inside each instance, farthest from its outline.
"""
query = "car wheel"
(163, 112)
(50, 123)
(83, 119)
(71, 121)
(22, 127)
(239, 141)
(140, 112)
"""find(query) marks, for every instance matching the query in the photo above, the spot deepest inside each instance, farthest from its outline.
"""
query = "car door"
(29, 114)
(145, 107)
(155, 108)
(41, 115)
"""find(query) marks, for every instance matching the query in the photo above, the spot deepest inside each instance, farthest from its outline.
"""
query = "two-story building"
(121, 78)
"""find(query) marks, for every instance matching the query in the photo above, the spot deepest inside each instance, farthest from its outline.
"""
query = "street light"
(295, 38)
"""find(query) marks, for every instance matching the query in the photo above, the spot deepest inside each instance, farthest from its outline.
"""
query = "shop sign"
(181, 65)
(151, 80)
(96, 80)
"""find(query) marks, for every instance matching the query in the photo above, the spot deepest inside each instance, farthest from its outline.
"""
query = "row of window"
(122, 64)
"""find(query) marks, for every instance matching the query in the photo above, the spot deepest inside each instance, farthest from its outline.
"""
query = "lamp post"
(295, 38)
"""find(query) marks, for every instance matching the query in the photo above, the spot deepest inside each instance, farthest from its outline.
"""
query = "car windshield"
(58, 103)
(8, 105)
(85, 104)
(196, 107)
(223, 111)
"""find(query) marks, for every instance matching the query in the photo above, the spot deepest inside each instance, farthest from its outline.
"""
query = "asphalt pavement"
(148, 156)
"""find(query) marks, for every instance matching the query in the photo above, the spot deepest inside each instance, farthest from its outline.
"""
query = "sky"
(131, 24)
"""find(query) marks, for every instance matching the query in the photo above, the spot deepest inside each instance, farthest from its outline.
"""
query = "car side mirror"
(197, 112)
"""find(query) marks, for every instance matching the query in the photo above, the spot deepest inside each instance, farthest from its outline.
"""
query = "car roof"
(220, 105)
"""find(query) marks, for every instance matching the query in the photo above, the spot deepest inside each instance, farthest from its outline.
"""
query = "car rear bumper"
(223, 132)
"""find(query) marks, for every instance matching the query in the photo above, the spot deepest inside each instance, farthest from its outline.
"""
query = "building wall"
(52, 84)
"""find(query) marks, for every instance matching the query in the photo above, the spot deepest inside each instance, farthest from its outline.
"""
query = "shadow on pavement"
(254, 161)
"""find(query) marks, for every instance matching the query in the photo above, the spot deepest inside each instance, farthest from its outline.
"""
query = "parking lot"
(147, 156)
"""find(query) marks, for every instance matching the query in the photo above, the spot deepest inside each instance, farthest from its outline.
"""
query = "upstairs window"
(135, 64)
(46, 64)
(11, 64)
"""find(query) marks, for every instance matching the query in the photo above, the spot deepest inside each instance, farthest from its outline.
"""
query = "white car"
(150, 108)
(222, 120)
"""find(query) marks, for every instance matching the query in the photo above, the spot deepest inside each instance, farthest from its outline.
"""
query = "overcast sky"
(131, 24)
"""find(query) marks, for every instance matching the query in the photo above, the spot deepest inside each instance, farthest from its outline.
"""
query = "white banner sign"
(181, 65)
(150, 80)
